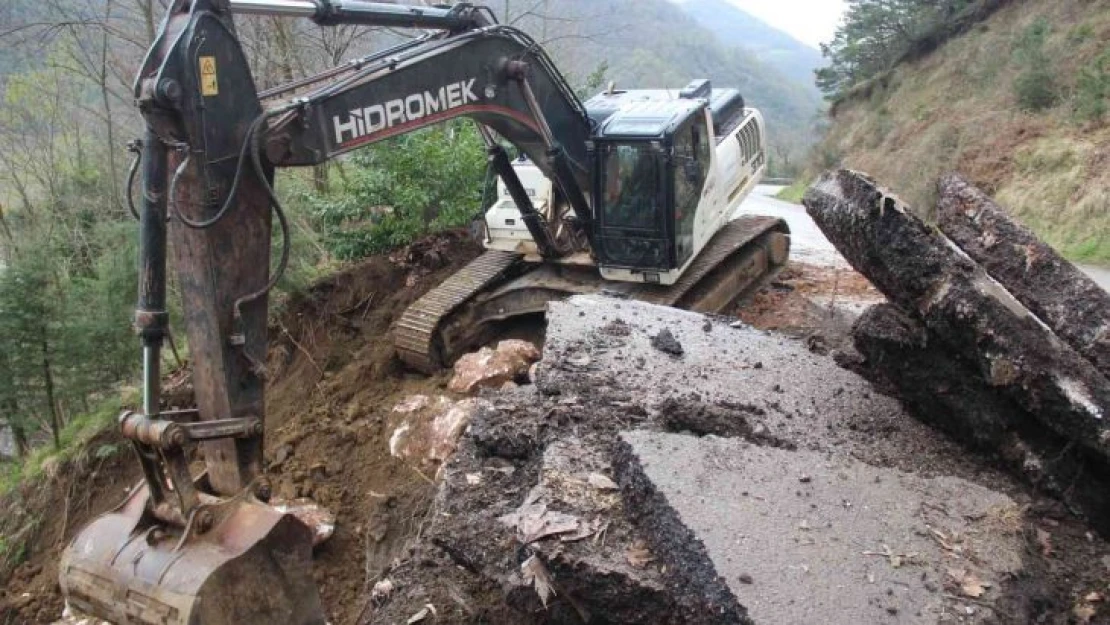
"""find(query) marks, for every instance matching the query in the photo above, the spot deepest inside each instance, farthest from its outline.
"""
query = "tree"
(878, 34)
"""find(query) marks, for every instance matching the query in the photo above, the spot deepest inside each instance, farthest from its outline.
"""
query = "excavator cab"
(653, 159)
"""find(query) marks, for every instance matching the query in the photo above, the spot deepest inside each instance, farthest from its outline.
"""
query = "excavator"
(631, 192)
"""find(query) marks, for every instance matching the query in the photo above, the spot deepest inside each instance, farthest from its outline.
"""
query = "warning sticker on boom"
(209, 82)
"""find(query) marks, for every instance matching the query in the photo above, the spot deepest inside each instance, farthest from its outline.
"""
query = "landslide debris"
(992, 336)
(333, 383)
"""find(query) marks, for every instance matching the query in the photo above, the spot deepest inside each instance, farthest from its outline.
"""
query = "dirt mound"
(45, 516)
(333, 383)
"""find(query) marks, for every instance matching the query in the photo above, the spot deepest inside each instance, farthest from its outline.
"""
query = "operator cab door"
(690, 166)
(634, 216)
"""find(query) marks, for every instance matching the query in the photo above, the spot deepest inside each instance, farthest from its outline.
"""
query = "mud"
(334, 381)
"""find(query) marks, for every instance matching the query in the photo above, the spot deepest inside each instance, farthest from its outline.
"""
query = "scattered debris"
(1044, 541)
(492, 368)
(382, 590)
(600, 481)
(638, 554)
(422, 615)
(536, 575)
(896, 559)
(667, 343)
(1084, 613)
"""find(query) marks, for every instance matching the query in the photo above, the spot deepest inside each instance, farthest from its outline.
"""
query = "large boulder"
(431, 427)
(493, 368)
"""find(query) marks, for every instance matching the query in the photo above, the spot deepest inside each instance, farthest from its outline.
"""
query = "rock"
(282, 454)
(667, 343)
(318, 519)
(492, 368)
(73, 617)
(432, 428)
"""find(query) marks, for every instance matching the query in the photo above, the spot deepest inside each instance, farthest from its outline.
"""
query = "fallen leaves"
(972, 586)
(536, 575)
(422, 615)
(967, 583)
(946, 542)
(638, 555)
(535, 522)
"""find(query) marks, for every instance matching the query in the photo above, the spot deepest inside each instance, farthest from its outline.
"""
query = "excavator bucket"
(250, 567)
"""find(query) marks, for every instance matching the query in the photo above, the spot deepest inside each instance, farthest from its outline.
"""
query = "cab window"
(629, 194)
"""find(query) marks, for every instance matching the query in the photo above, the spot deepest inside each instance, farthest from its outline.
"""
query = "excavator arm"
(206, 549)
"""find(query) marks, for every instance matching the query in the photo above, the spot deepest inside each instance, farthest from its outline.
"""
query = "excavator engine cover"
(251, 567)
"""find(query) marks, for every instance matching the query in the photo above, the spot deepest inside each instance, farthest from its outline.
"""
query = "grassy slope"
(956, 110)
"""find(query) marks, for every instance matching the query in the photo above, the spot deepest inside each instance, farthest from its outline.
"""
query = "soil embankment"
(334, 381)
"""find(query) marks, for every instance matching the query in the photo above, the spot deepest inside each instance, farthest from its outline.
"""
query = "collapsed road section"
(667, 467)
(990, 335)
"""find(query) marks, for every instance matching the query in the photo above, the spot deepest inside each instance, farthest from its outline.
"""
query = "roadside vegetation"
(68, 357)
(1012, 93)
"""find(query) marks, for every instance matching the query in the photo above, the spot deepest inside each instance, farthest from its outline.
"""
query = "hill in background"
(1020, 103)
(656, 44)
(778, 50)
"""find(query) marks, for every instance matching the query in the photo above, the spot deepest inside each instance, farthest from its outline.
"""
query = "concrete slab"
(770, 387)
(818, 499)
(805, 538)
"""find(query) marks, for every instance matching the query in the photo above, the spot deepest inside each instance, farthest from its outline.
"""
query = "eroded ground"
(940, 537)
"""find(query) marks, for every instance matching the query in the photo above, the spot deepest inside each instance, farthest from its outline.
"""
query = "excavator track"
(415, 335)
(497, 285)
(744, 254)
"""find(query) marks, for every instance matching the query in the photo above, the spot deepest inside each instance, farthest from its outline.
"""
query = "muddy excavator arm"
(188, 549)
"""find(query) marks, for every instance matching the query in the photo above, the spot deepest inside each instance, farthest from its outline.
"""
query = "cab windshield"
(630, 198)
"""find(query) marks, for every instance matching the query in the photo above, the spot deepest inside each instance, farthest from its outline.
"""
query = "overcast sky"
(809, 21)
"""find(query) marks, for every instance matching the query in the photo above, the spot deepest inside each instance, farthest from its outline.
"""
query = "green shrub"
(1035, 87)
(401, 189)
(1092, 89)
(795, 192)
(1081, 33)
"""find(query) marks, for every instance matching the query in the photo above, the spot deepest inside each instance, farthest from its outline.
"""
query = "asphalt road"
(1101, 275)
(809, 245)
